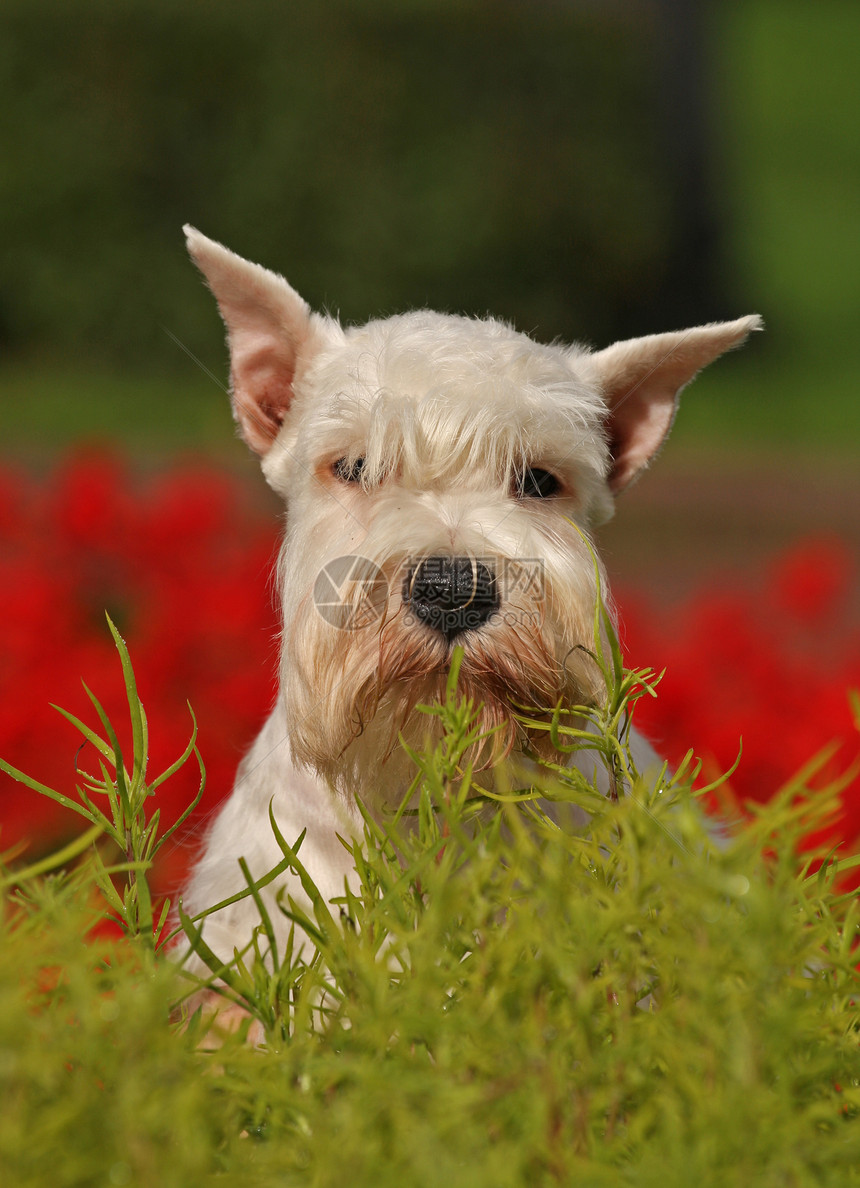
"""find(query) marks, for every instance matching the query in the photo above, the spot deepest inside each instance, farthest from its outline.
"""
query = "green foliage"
(127, 795)
(495, 1001)
(96, 1086)
(452, 154)
(533, 160)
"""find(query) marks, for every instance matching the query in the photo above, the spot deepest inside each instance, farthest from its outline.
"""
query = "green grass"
(496, 1002)
(47, 408)
(748, 403)
(747, 408)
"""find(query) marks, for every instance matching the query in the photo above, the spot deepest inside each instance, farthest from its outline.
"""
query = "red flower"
(771, 667)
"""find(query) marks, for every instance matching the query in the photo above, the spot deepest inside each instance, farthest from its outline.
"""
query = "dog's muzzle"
(451, 594)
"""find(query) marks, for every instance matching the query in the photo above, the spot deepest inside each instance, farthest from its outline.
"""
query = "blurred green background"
(587, 170)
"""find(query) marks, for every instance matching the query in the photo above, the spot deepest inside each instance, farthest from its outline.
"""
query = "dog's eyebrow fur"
(413, 404)
(435, 437)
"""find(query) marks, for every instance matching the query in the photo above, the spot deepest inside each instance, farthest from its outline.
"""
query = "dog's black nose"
(451, 594)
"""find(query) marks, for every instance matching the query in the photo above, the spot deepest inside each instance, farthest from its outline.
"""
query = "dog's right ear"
(271, 331)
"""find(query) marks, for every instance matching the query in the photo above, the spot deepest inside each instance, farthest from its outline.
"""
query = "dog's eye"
(535, 483)
(348, 472)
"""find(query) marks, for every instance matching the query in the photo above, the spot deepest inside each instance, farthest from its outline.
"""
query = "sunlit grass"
(494, 1001)
(49, 407)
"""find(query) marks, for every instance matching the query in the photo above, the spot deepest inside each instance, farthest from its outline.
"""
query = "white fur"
(447, 414)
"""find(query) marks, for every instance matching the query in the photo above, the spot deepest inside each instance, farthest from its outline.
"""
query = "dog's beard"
(353, 697)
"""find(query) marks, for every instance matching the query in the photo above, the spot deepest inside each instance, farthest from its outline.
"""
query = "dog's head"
(441, 475)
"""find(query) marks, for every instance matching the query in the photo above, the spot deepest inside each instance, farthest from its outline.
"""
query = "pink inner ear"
(262, 414)
(262, 372)
(637, 426)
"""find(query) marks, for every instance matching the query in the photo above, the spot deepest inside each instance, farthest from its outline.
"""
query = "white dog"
(441, 475)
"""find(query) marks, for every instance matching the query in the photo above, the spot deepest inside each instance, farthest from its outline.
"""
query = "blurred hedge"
(469, 154)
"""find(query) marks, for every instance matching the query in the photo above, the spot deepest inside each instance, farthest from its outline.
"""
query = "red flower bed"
(770, 668)
(182, 562)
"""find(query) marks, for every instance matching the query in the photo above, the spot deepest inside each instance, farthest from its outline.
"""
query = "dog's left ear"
(271, 331)
(642, 379)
